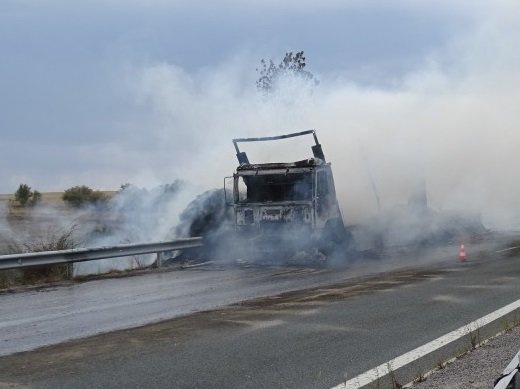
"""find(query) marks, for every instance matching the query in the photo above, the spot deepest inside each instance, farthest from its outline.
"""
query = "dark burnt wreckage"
(286, 209)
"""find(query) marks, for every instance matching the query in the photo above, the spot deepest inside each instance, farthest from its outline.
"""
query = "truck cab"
(285, 207)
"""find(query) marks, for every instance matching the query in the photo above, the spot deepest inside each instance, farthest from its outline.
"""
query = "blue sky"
(108, 91)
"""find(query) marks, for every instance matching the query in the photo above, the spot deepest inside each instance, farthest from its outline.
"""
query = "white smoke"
(133, 215)
(136, 215)
(452, 123)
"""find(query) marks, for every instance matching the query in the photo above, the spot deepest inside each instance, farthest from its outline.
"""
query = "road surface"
(302, 339)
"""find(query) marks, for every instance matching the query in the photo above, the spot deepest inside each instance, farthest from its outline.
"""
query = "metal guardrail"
(510, 377)
(15, 261)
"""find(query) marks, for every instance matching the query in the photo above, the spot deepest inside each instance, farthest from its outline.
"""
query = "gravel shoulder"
(478, 368)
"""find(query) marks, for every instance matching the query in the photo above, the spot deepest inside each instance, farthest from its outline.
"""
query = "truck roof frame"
(242, 156)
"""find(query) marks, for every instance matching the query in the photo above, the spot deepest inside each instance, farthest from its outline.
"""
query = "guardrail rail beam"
(16, 261)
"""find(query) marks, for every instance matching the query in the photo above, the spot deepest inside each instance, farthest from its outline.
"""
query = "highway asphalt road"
(302, 339)
(53, 315)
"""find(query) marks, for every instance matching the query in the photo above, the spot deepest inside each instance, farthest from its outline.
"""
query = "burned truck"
(286, 209)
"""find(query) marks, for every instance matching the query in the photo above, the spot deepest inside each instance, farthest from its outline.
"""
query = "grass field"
(51, 197)
(50, 216)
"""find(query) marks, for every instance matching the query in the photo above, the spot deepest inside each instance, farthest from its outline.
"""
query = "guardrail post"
(158, 261)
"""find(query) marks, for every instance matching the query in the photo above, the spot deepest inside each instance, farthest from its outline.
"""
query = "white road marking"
(374, 374)
(508, 249)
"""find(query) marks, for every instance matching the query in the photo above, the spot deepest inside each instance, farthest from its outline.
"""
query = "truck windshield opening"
(275, 188)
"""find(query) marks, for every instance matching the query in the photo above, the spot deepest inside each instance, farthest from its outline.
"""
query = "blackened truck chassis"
(286, 208)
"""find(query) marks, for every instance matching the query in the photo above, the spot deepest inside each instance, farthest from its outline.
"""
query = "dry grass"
(53, 197)
(6, 197)
(40, 274)
(21, 229)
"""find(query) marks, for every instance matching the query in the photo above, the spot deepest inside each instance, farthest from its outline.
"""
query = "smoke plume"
(452, 124)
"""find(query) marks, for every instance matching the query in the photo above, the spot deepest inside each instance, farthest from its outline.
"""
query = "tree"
(23, 194)
(292, 64)
(125, 186)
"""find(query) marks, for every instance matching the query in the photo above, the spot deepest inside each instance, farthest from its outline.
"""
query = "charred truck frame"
(286, 208)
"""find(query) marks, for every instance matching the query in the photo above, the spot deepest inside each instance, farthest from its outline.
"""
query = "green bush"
(78, 196)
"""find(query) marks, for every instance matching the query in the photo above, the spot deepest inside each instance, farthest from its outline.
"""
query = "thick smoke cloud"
(452, 124)
(133, 215)
(136, 215)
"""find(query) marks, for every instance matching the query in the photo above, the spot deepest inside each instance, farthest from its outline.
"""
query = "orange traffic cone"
(462, 252)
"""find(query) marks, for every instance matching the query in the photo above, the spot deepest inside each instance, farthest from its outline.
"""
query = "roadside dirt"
(479, 368)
